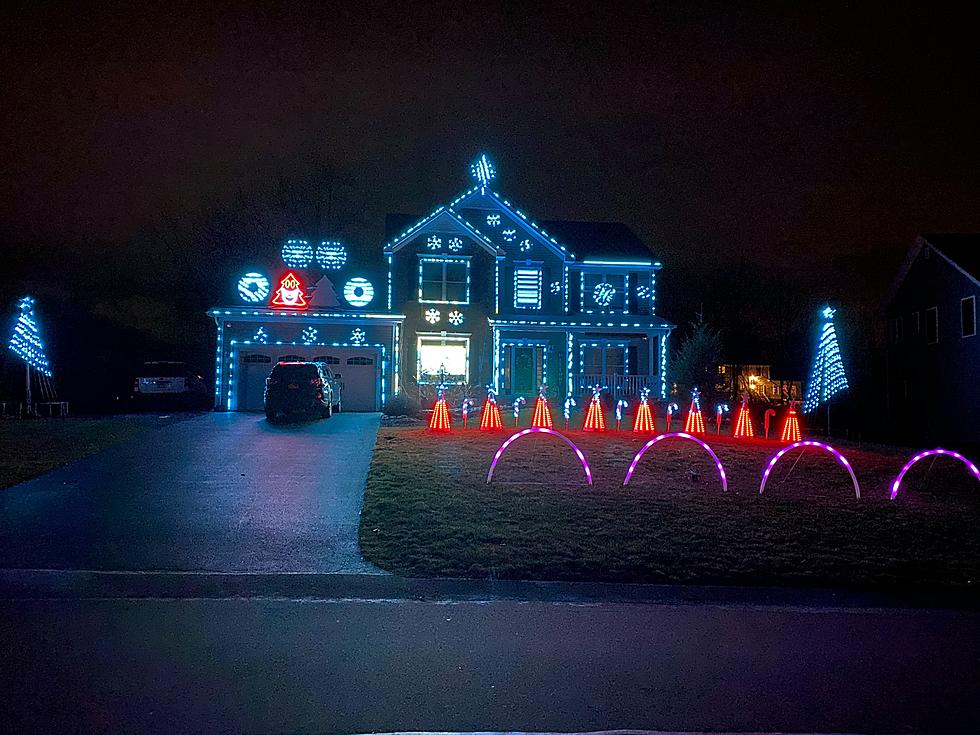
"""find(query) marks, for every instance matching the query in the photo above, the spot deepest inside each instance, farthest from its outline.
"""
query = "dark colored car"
(301, 389)
(169, 385)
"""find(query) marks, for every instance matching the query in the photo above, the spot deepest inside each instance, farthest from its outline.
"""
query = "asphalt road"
(221, 492)
(371, 665)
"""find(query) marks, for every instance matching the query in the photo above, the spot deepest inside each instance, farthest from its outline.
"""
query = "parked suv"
(301, 389)
(170, 385)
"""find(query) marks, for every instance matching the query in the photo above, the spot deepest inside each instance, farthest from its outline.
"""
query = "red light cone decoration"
(743, 423)
(643, 420)
(490, 419)
(594, 418)
(791, 425)
(695, 421)
(542, 414)
(440, 413)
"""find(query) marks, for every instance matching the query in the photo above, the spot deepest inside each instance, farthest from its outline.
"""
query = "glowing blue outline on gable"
(401, 240)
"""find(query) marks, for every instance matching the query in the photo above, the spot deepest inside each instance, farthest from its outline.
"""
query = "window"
(291, 358)
(916, 324)
(968, 316)
(444, 280)
(256, 358)
(604, 291)
(327, 359)
(527, 288)
(443, 359)
(359, 360)
(932, 325)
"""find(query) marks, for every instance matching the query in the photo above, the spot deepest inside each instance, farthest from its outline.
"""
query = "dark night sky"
(816, 141)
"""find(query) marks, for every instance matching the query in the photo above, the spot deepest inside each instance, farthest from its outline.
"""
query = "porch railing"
(619, 385)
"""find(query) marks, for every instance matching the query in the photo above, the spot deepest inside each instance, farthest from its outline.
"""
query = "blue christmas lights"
(827, 377)
(297, 253)
(253, 288)
(25, 341)
(434, 242)
(358, 292)
(357, 336)
(604, 293)
(455, 317)
(310, 335)
(455, 244)
(261, 336)
(330, 255)
(483, 171)
(527, 288)
(493, 220)
(509, 235)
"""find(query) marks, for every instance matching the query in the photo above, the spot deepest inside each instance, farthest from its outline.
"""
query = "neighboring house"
(933, 350)
(474, 293)
(756, 380)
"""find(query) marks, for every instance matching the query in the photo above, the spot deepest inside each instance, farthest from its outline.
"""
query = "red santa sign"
(289, 295)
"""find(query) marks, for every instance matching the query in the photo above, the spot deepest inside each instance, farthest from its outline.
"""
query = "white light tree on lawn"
(827, 378)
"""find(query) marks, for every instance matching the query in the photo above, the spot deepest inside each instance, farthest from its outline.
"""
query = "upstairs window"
(932, 325)
(604, 291)
(968, 316)
(527, 288)
(444, 280)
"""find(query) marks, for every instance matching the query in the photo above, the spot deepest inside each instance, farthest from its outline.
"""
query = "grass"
(429, 512)
(31, 447)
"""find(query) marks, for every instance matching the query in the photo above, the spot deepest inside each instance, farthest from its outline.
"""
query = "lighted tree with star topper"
(25, 342)
(827, 378)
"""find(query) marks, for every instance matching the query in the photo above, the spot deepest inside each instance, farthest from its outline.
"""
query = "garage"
(358, 370)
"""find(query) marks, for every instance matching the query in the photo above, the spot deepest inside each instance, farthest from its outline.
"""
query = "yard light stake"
(791, 425)
(743, 424)
(643, 419)
(467, 405)
(721, 408)
(770, 414)
(820, 445)
(594, 418)
(440, 413)
(620, 405)
(672, 408)
(695, 421)
(569, 404)
(974, 470)
(490, 419)
(518, 402)
(542, 414)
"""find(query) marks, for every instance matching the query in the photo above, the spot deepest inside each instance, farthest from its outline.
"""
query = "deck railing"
(618, 385)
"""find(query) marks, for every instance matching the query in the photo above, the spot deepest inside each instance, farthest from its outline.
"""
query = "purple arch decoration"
(809, 443)
(932, 452)
(538, 430)
(679, 435)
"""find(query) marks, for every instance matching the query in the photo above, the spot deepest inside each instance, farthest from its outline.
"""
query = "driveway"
(220, 492)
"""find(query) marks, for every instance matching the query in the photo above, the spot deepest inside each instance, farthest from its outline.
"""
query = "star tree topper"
(483, 171)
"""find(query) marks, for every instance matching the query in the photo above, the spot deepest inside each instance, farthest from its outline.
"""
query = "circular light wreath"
(331, 256)
(253, 288)
(358, 292)
(604, 293)
(297, 253)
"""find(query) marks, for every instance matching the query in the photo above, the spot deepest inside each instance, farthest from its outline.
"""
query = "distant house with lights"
(757, 381)
(474, 293)
(933, 351)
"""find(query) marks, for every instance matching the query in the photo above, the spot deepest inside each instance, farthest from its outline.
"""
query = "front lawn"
(429, 512)
(31, 447)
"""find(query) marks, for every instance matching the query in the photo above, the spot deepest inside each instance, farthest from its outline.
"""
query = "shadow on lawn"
(429, 512)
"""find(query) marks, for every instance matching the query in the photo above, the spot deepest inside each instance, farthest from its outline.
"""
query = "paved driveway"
(220, 492)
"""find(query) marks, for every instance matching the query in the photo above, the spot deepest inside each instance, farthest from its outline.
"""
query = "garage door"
(358, 370)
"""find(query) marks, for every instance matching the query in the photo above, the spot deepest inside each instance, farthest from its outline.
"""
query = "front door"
(525, 374)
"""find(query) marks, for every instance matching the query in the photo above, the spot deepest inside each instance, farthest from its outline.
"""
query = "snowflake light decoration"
(556, 287)
(643, 292)
(357, 336)
(604, 293)
(331, 256)
(309, 335)
(509, 235)
(493, 220)
(261, 336)
(455, 317)
(297, 253)
(434, 242)
(483, 170)
(432, 315)
(455, 244)
(525, 245)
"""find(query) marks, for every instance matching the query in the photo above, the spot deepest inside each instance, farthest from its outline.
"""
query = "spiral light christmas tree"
(827, 377)
(791, 425)
(490, 420)
(743, 423)
(643, 422)
(25, 342)
(695, 421)
(440, 413)
(542, 414)
(594, 418)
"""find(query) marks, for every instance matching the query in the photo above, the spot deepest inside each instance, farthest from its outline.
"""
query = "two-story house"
(933, 350)
(475, 293)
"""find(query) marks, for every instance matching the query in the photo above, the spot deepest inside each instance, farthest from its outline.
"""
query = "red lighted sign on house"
(289, 295)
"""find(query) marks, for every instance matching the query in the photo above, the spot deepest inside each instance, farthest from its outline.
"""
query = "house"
(475, 293)
(932, 360)
(757, 381)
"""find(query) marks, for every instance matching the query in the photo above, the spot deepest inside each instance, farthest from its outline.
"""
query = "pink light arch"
(931, 453)
(679, 435)
(540, 430)
(809, 443)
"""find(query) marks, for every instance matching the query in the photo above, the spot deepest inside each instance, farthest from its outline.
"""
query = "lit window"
(932, 325)
(527, 288)
(968, 316)
(443, 359)
(444, 280)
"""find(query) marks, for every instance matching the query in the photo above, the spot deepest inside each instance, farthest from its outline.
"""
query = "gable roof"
(396, 241)
(962, 250)
(600, 239)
